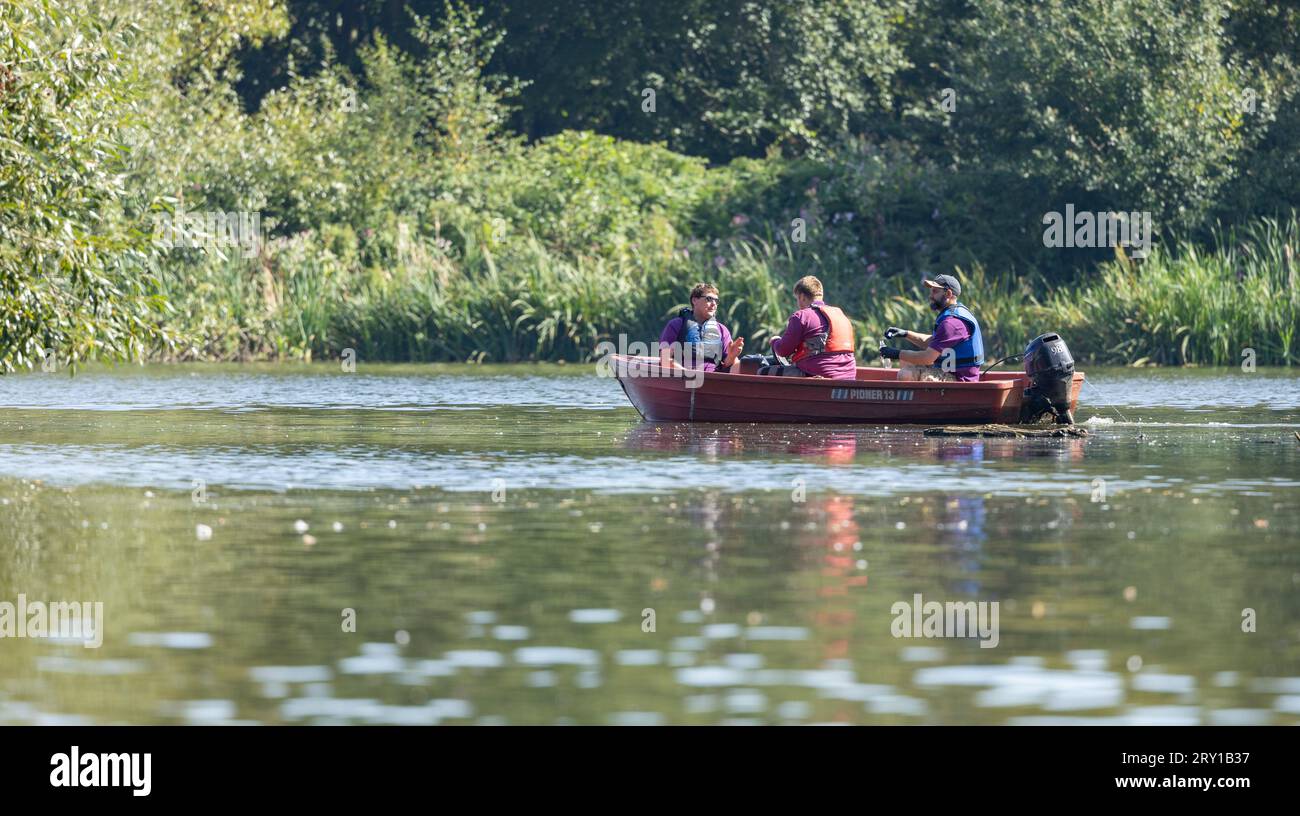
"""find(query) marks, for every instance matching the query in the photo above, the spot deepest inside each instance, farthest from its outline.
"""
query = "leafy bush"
(1109, 104)
(73, 277)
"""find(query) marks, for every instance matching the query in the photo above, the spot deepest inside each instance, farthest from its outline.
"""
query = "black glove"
(894, 331)
(889, 353)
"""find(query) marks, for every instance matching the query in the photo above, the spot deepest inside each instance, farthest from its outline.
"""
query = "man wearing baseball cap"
(953, 351)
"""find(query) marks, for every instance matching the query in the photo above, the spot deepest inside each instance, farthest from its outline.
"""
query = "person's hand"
(889, 353)
(894, 331)
(737, 346)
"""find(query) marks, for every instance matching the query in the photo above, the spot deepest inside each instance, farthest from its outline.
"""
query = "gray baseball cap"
(945, 282)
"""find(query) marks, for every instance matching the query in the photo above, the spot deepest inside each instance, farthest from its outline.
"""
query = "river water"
(443, 544)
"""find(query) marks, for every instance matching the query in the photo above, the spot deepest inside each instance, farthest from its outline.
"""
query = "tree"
(731, 77)
(73, 273)
(1110, 104)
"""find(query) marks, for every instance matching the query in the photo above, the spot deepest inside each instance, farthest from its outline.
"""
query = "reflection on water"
(525, 550)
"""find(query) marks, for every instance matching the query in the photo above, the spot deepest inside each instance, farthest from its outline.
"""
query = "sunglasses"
(709, 298)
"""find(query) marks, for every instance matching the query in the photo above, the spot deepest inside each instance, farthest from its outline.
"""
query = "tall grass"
(1192, 306)
(421, 298)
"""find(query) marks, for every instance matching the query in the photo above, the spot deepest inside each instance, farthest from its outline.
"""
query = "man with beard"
(952, 352)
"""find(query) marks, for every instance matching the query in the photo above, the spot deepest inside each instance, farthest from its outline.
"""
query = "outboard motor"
(1051, 376)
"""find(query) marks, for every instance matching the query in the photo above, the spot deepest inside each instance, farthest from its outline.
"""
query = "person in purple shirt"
(696, 338)
(952, 352)
(817, 338)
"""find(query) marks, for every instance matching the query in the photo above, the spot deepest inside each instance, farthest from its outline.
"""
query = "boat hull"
(876, 396)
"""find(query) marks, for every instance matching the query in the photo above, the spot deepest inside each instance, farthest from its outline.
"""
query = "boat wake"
(1107, 422)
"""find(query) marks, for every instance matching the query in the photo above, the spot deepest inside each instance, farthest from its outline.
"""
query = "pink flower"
(739, 220)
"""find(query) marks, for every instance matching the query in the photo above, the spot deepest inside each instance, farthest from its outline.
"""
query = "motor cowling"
(1051, 378)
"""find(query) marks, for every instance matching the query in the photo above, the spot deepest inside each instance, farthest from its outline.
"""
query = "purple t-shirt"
(805, 322)
(948, 334)
(671, 334)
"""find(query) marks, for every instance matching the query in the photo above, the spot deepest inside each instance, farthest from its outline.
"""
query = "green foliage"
(400, 296)
(740, 78)
(1267, 182)
(1108, 104)
(73, 277)
(1190, 306)
(585, 194)
(732, 77)
(405, 217)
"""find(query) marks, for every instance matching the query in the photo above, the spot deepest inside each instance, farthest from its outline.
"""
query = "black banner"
(331, 765)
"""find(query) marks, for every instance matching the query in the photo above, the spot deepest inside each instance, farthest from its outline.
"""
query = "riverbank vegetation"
(454, 182)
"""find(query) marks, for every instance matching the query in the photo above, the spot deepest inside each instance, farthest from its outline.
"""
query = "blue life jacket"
(704, 339)
(969, 352)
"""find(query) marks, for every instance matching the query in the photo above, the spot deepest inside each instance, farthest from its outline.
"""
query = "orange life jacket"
(839, 338)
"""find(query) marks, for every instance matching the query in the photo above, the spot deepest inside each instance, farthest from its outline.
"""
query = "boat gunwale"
(1012, 379)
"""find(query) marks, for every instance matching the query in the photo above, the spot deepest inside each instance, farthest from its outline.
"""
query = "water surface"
(504, 535)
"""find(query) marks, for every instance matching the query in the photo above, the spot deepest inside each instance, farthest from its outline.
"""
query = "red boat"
(876, 396)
